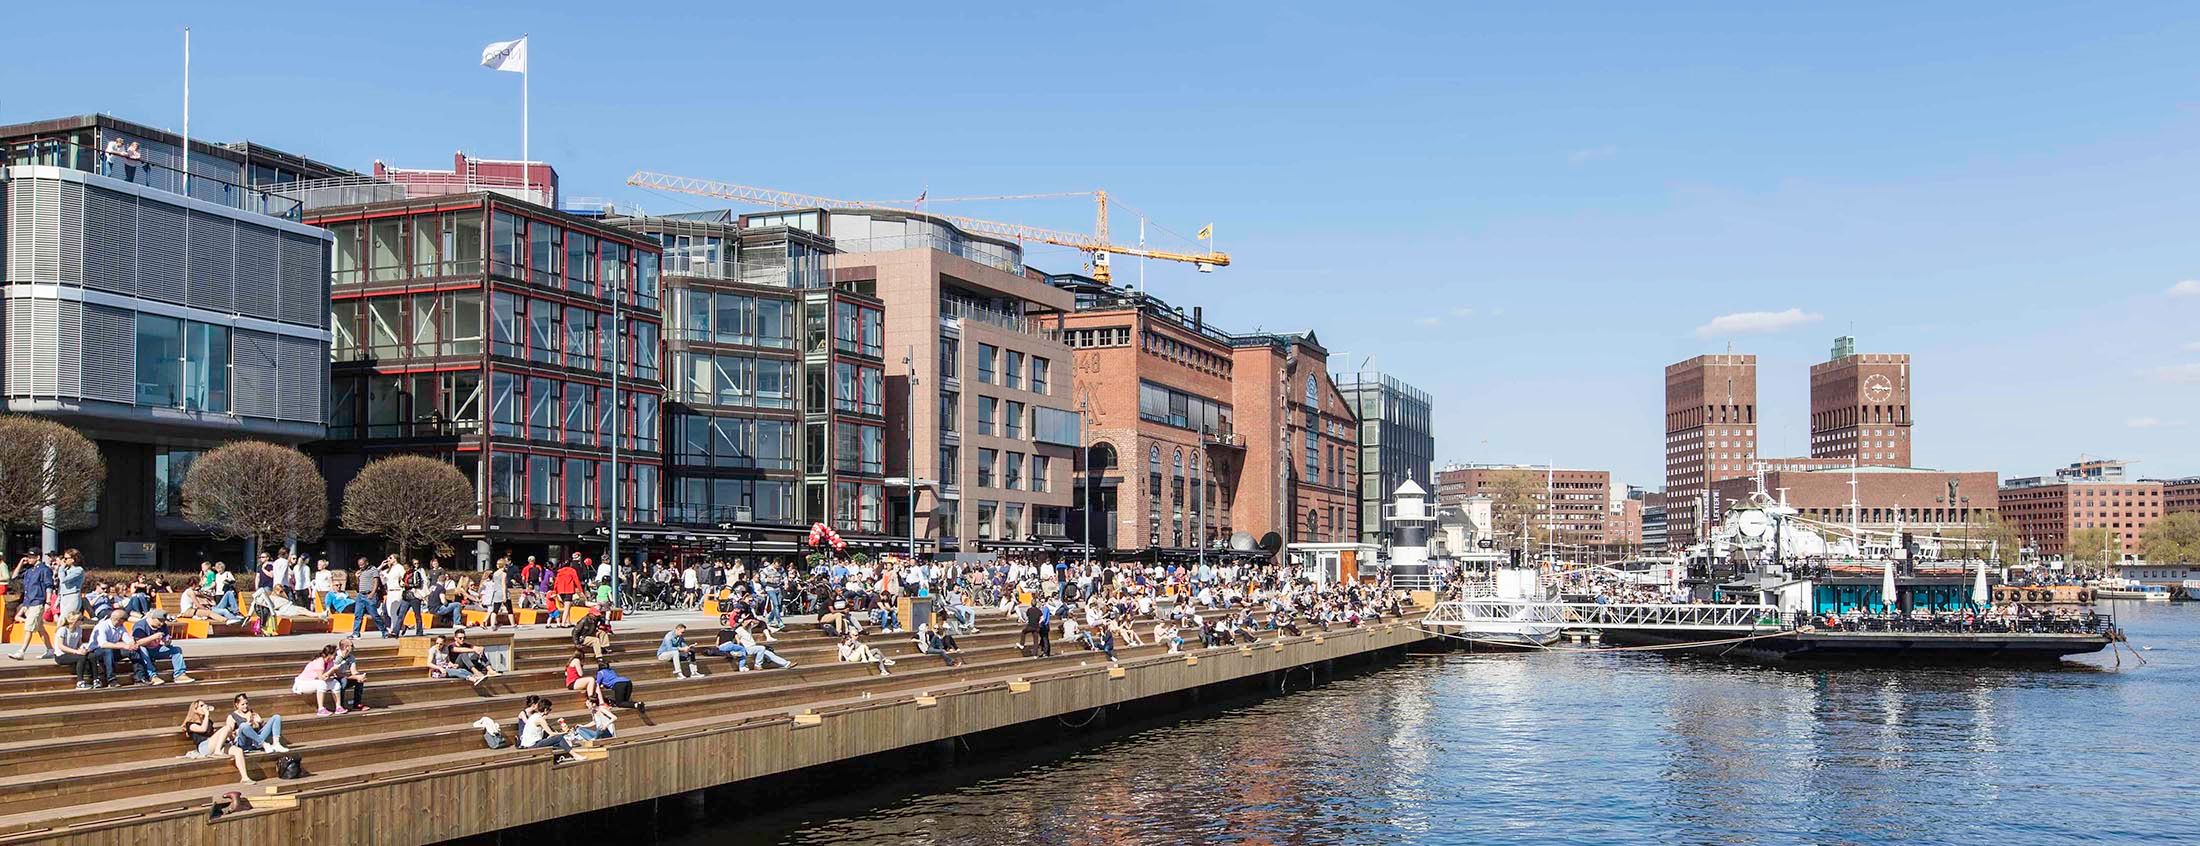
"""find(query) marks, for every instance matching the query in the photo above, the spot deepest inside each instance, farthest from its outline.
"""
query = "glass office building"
(1397, 442)
(159, 309)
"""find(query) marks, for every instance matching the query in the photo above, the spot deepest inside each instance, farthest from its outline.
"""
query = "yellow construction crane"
(1096, 244)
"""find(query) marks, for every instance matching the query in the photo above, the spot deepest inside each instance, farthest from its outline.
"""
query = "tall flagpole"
(527, 171)
(186, 115)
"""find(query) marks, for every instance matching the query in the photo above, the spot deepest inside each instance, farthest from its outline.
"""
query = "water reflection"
(1599, 749)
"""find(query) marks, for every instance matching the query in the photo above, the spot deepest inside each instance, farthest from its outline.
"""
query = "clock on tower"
(1878, 388)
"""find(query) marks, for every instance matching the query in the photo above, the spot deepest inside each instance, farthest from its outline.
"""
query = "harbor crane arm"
(1096, 245)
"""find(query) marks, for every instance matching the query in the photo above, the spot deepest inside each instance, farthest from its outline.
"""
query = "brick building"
(1196, 434)
(2180, 494)
(1164, 456)
(1860, 406)
(1921, 501)
(1710, 435)
(1571, 506)
(1295, 420)
(977, 389)
(2046, 511)
(1623, 526)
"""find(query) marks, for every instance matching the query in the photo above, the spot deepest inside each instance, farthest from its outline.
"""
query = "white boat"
(2191, 588)
(2117, 589)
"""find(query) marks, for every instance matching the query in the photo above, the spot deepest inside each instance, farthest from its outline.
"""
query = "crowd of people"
(105, 629)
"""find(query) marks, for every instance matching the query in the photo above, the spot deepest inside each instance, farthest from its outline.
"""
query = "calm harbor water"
(1588, 749)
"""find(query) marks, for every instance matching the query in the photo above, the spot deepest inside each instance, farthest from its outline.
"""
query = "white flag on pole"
(508, 56)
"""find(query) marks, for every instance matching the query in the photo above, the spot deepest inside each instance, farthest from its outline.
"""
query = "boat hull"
(1890, 648)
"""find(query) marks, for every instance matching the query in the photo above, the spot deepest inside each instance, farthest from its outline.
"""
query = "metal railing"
(954, 309)
(138, 171)
(351, 190)
(1593, 615)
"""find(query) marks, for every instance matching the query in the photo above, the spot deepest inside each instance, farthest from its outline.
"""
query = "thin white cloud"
(1462, 311)
(1429, 321)
(2144, 422)
(2185, 373)
(1605, 152)
(2187, 288)
(1757, 322)
(2192, 346)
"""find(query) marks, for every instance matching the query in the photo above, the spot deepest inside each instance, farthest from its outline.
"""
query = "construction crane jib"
(1096, 245)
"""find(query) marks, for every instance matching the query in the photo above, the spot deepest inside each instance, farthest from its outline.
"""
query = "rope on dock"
(1694, 644)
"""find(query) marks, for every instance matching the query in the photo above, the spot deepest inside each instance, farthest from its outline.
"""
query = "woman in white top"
(496, 598)
(324, 581)
(535, 731)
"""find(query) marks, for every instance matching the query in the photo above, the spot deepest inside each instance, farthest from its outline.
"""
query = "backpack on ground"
(290, 768)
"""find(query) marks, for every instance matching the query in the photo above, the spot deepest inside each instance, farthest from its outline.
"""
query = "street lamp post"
(1092, 477)
(909, 434)
(618, 415)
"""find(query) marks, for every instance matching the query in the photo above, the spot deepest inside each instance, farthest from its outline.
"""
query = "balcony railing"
(58, 153)
(954, 309)
(353, 190)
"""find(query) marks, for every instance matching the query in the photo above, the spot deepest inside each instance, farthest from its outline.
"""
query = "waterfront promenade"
(104, 767)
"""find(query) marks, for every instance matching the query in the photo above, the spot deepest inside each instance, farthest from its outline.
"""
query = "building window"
(1012, 423)
(1038, 375)
(950, 468)
(988, 410)
(986, 354)
(1012, 521)
(950, 357)
(505, 254)
(986, 458)
(1012, 372)
(182, 364)
(985, 519)
(1012, 470)
(1040, 465)
(170, 466)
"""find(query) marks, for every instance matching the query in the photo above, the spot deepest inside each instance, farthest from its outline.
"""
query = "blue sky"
(1527, 211)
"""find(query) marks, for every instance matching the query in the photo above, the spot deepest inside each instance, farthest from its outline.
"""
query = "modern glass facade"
(480, 329)
(1397, 442)
(159, 311)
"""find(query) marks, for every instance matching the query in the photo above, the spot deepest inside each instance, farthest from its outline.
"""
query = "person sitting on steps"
(209, 739)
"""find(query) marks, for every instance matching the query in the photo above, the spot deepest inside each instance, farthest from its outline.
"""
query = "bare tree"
(258, 491)
(412, 500)
(45, 465)
(1988, 526)
(1516, 497)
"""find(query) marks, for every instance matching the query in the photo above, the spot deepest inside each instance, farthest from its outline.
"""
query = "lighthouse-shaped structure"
(1410, 521)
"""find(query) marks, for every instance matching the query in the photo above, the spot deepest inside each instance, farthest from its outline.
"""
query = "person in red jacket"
(566, 584)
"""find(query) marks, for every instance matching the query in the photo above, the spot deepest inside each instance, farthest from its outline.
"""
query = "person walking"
(412, 593)
(367, 600)
(38, 588)
(496, 597)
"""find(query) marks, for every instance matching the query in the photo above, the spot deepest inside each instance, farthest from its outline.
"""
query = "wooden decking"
(104, 767)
